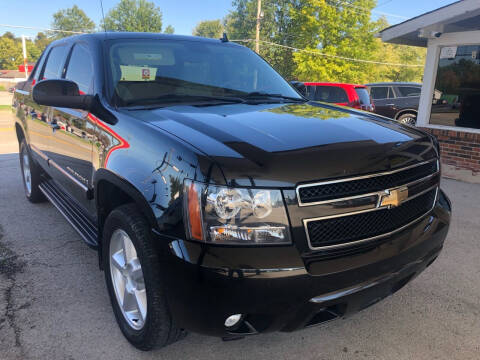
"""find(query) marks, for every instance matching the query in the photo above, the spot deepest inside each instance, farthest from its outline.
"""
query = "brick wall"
(459, 149)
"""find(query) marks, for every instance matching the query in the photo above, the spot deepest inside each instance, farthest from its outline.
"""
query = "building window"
(457, 87)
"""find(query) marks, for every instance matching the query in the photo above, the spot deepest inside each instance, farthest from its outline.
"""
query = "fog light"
(233, 320)
(254, 235)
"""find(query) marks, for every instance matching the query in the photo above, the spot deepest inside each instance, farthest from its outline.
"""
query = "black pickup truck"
(220, 200)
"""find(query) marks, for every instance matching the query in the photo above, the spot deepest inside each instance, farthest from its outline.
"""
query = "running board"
(71, 211)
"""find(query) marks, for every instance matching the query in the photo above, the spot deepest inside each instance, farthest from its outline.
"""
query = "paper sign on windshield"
(137, 73)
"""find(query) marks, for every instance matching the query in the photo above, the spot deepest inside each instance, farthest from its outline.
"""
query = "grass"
(5, 107)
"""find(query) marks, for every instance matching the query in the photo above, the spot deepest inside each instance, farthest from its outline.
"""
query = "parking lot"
(54, 305)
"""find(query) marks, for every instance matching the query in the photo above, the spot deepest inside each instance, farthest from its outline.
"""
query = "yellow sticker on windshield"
(137, 73)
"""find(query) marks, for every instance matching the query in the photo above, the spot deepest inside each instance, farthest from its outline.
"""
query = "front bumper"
(279, 290)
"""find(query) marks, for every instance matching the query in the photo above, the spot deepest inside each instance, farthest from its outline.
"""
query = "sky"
(183, 15)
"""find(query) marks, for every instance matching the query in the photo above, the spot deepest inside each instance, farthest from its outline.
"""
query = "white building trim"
(430, 73)
(431, 22)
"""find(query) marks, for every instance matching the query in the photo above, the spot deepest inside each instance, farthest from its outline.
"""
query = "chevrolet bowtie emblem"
(395, 197)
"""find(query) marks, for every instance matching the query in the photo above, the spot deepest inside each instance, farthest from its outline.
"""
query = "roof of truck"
(137, 35)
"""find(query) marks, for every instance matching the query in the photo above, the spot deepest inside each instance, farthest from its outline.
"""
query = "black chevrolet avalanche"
(219, 200)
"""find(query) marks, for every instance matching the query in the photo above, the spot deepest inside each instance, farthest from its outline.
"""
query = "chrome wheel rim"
(409, 120)
(27, 175)
(127, 278)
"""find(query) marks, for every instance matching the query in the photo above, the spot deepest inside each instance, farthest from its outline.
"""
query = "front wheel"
(31, 175)
(409, 119)
(134, 281)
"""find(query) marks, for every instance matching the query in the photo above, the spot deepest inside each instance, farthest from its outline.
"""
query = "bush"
(3, 88)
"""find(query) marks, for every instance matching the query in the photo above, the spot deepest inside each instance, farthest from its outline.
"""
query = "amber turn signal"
(194, 212)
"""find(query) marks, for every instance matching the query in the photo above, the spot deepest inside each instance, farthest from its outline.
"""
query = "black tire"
(408, 118)
(159, 328)
(34, 195)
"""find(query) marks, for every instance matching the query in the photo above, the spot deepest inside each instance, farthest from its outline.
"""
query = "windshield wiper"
(263, 95)
(181, 98)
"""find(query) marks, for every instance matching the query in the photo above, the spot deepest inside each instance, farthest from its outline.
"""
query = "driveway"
(5, 98)
(8, 138)
(54, 305)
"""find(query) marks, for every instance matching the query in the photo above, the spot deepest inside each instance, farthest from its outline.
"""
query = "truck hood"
(284, 144)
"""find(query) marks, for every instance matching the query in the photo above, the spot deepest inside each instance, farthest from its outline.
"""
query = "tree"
(11, 53)
(33, 52)
(209, 29)
(169, 29)
(277, 26)
(335, 31)
(135, 15)
(71, 19)
(42, 41)
(330, 31)
(396, 54)
(9, 34)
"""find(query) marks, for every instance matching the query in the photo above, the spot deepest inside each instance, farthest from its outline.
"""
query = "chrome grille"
(312, 194)
(368, 225)
(363, 208)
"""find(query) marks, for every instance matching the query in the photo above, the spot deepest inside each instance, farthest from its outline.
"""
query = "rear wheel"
(134, 281)
(409, 119)
(31, 175)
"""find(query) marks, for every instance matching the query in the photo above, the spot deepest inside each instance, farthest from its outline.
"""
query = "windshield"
(156, 71)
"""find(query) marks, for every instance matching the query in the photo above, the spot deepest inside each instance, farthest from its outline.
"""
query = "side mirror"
(61, 93)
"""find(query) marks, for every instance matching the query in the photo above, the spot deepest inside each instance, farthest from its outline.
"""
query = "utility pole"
(259, 17)
(24, 46)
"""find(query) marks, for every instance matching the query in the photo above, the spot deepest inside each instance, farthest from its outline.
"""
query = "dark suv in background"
(396, 100)
(219, 199)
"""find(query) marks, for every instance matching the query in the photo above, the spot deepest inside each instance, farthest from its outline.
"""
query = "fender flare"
(128, 188)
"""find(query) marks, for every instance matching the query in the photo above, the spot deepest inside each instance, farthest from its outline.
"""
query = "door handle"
(389, 104)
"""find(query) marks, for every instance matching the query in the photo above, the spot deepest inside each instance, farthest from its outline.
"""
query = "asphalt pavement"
(54, 305)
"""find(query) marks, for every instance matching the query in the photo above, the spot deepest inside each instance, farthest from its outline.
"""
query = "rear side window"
(80, 69)
(381, 92)
(331, 94)
(409, 90)
(36, 67)
(363, 96)
(53, 68)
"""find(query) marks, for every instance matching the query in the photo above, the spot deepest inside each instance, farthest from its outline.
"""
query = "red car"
(355, 96)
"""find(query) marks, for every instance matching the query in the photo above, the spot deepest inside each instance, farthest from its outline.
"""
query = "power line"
(246, 40)
(372, 11)
(329, 55)
(361, 10)
(39, 28)
(384, 3)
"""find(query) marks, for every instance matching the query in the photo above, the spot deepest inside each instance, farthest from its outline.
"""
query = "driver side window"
(80, 69)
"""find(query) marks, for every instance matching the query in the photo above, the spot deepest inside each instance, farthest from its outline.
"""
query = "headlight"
(237, 216)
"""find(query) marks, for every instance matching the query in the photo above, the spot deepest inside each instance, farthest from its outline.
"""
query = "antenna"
(103, 16)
